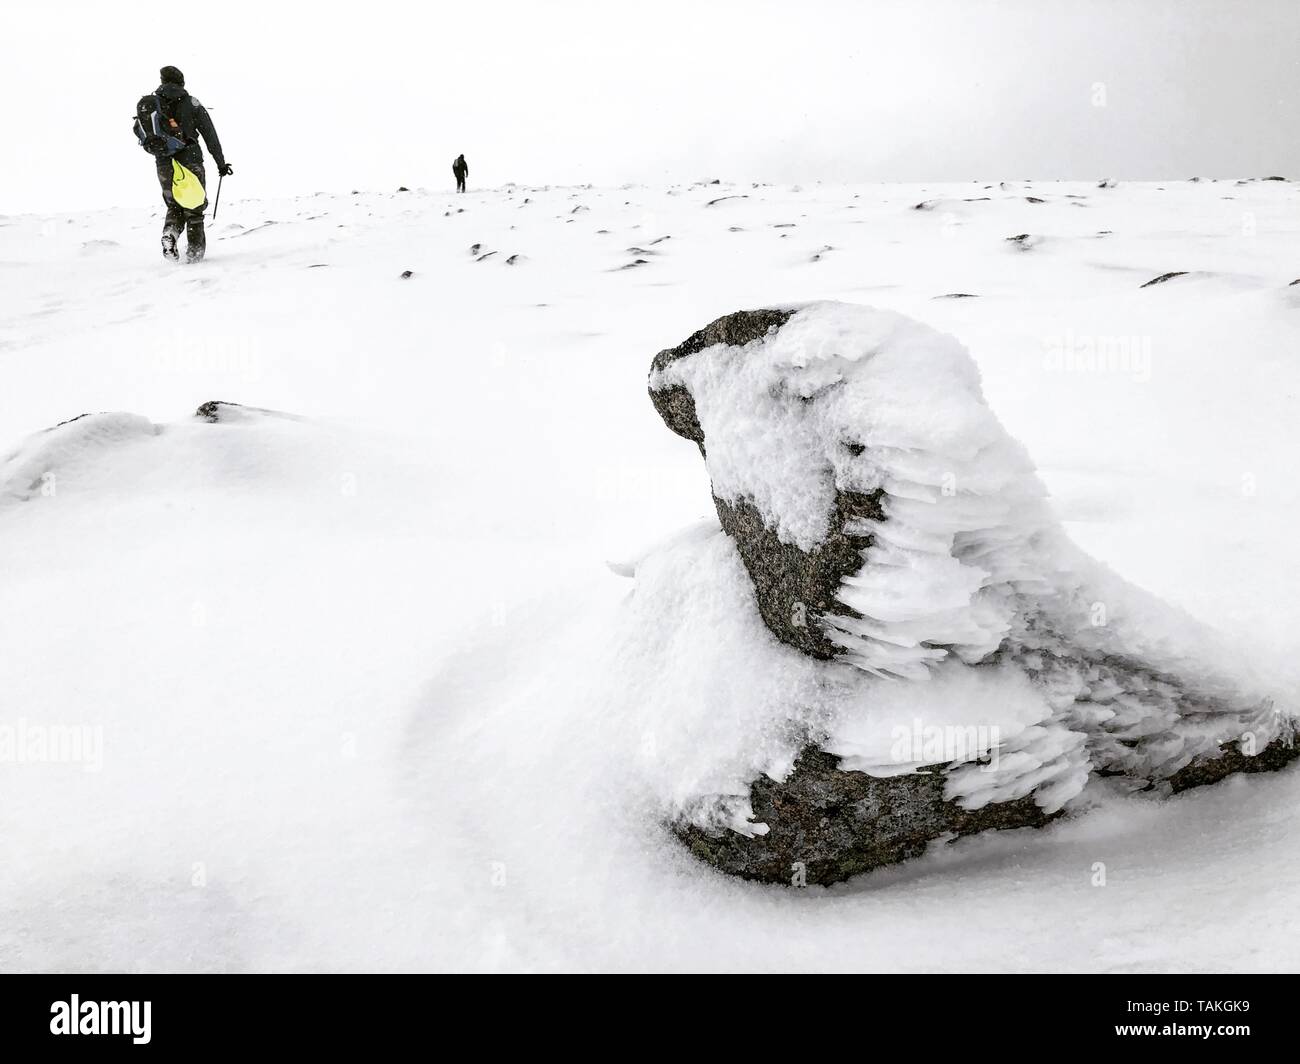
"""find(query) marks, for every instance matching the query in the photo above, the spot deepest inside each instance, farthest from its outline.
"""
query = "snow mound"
(33, 468)
(224, 454)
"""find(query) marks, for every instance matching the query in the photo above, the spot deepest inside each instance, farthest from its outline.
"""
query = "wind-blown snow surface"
(349, 667)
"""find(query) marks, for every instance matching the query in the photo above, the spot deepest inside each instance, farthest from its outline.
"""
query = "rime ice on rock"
(889, 524)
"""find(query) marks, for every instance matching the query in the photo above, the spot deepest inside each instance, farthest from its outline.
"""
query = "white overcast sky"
(334, 96)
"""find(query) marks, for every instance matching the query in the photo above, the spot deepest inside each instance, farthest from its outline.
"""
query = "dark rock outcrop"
(831, 823)
(826, 824)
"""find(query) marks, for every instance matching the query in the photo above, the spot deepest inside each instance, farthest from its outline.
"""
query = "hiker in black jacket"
(460, 168)
(188, 120)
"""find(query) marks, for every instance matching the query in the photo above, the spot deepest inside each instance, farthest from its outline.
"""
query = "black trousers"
(188, 218)
(460, 183)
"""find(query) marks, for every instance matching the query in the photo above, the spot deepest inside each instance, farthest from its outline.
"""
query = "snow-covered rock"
(889, 524)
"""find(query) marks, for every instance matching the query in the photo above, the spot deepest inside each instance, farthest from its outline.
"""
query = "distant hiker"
(461, 169)
(168, 124)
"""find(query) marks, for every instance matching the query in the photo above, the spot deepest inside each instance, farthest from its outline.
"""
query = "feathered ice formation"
(961, 566)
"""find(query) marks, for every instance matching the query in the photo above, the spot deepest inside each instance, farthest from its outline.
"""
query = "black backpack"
(158, 132)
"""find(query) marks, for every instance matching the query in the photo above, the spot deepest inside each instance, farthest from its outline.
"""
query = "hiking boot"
(169, 245)
(196, 240)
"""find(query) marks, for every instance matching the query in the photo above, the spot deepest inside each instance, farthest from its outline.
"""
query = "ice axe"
(217, 202)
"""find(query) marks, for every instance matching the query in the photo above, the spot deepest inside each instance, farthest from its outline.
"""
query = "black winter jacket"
(191, 116)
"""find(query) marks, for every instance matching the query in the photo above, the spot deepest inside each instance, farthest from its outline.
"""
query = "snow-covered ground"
(353, 670)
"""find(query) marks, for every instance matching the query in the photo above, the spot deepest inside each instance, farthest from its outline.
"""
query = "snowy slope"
(347, 666)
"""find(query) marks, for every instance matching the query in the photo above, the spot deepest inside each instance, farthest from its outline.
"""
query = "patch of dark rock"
(1277, 754)
(1164, 277)
(733, 330)
(69, 421)
(211, 410)
(217, 410)
(831, 824)
(793, 588)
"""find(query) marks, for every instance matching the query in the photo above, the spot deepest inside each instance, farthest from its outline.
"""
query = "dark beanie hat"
(170, 75)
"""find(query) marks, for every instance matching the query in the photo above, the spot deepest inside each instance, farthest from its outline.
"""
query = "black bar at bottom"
(376, 1012)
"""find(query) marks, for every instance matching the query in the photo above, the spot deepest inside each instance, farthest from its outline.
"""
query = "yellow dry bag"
(187, 189)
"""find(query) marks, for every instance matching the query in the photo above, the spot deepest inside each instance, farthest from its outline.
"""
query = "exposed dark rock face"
(1277, 754)
(793, 587)
(826, 824)
(675, 405)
